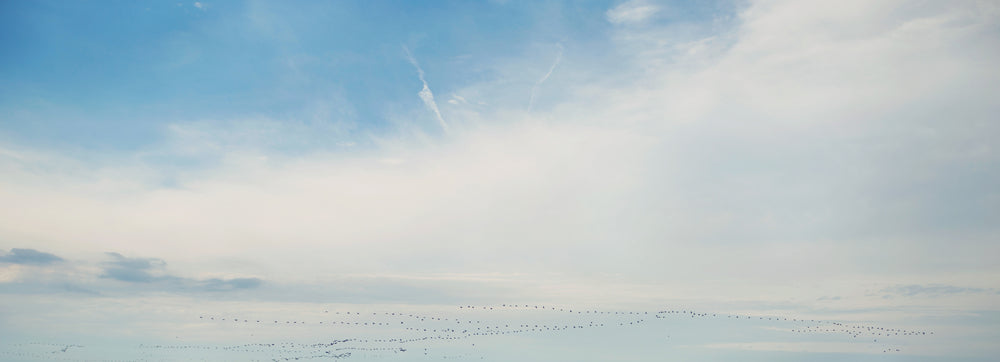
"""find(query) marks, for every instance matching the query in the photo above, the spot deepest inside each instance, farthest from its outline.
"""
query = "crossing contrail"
(425, 94)
(534, 88)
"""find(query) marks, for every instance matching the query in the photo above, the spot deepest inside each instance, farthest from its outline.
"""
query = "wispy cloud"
(631, 12)
(933, 290)
(216, 284)
(534, 88)
(425, 94)
(815, 347)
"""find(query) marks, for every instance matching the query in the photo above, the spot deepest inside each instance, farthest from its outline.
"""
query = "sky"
(165, 163)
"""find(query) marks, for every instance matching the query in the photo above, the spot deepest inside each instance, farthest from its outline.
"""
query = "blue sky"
(165, 162)
(115, 74)
(124, 68)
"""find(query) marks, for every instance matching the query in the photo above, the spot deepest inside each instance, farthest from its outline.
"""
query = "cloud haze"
(739, 160)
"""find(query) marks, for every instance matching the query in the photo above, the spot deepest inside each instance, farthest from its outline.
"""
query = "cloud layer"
(788, 144)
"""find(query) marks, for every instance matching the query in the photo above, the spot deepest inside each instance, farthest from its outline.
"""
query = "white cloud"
(9, 272)
(632, 12)
(457, 100)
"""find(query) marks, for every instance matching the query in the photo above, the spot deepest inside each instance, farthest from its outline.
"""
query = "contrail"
(534, 88)
(425, 94)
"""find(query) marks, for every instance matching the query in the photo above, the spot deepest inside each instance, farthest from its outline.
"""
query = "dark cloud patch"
(136, 263)
(29, 256)
(72, 288)
(931, 290)
(128, 275)
(152, 272)
(134, 270)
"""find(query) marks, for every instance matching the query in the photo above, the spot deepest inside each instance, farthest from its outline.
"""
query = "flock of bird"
(430, 335)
